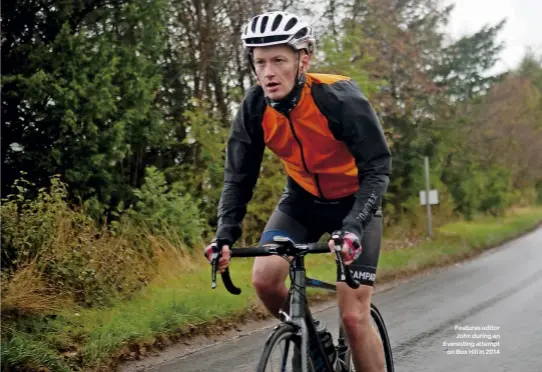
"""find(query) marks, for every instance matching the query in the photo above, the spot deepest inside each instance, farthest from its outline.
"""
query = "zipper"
(303, 158)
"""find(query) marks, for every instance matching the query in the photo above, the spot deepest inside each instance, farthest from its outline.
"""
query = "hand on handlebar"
(219, 257)
(351, 247)
(224, 255)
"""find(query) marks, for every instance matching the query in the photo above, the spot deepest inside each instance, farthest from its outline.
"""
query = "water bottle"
(327, 340)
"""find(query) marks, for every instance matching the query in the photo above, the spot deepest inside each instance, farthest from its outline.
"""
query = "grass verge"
(180, 304)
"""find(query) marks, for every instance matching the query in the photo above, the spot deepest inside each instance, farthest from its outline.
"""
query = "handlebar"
(282, 247)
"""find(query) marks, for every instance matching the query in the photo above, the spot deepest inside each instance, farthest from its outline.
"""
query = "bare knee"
(268, 274)
(355, 318)
(355, 307)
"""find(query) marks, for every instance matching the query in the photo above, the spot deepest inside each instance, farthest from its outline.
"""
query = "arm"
(358, 127)
(244, 154)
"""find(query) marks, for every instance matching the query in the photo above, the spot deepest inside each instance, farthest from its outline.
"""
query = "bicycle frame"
(301, 316)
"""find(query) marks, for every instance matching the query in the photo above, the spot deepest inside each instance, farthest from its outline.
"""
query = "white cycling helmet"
(275, 28)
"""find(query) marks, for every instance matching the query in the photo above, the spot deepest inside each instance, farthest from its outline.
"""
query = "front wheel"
(380, 327)
(281, 352)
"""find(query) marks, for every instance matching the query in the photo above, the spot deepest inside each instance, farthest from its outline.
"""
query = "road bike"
(297, 327)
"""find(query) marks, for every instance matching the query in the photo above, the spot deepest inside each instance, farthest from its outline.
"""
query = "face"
(275, 68)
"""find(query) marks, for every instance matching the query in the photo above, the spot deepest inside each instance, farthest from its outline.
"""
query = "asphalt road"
(500, 292)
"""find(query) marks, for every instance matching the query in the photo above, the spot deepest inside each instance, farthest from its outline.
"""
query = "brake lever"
(343, 273)
(215, 257)
(226, 278)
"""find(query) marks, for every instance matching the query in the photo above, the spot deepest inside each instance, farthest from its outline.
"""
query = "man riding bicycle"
(338, 165)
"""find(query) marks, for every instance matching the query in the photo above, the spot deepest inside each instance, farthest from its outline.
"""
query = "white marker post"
(428, 197)
(427, 202)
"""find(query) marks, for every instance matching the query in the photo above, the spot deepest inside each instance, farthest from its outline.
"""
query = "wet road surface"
(479, 315)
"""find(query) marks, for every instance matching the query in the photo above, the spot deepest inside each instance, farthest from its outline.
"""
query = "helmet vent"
(253, 26)
(291, 23)
(301, 33)
(263, 24)
(276, 22)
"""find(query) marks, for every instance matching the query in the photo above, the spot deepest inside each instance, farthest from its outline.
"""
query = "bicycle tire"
(346, 364)
(379, 320)
(281, 332)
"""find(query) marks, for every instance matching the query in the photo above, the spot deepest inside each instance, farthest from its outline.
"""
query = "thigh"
(281, 223)
(271, 270)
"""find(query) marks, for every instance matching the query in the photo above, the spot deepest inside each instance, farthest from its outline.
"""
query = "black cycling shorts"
(304, 218)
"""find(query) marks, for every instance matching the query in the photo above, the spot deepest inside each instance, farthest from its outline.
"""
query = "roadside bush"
(28, 226)
(62, 254)
(497, 194)
(53, 252)
(166, 210)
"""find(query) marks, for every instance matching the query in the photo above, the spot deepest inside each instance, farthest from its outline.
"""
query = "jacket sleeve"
(244, 154)
(357, 125)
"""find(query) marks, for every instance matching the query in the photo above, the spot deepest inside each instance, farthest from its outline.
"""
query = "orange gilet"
(312, 156)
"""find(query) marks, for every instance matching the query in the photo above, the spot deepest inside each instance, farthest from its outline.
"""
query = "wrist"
(220, 242)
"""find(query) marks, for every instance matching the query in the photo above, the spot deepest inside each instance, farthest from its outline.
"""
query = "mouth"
(272, 85)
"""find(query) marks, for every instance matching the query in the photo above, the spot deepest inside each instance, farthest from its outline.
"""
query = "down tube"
(315, 283)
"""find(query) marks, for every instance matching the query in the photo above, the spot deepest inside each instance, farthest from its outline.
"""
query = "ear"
(304, 62)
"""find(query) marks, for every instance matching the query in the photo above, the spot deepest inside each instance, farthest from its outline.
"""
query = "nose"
(268, 71)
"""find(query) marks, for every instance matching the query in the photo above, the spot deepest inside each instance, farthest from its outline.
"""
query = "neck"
(288, 103)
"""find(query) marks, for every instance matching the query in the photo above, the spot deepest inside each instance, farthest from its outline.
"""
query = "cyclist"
(338, 165)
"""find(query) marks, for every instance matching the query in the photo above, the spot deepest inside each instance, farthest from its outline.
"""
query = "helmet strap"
(251, 62)
(299, 77)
